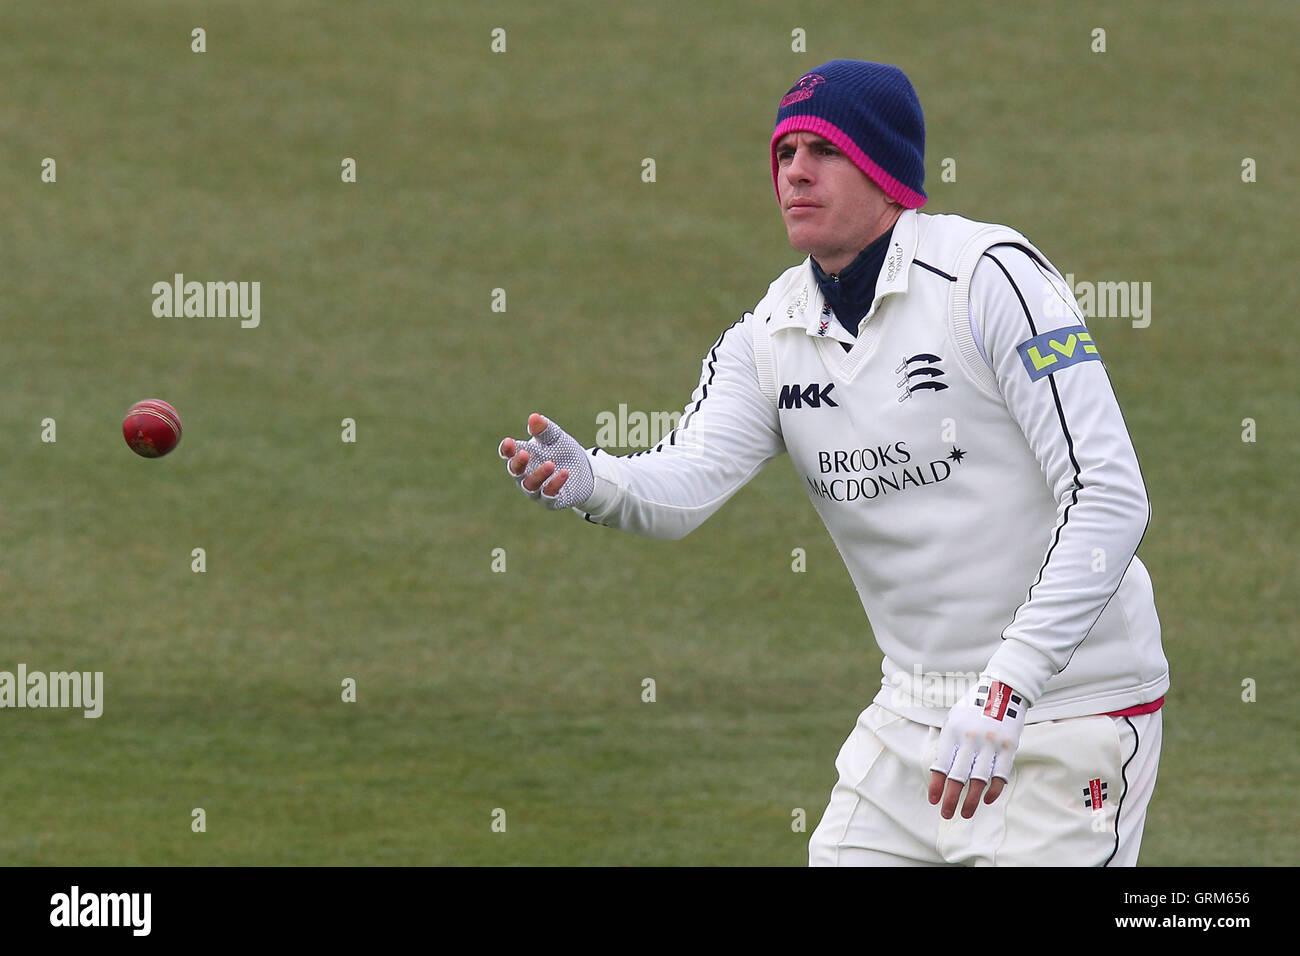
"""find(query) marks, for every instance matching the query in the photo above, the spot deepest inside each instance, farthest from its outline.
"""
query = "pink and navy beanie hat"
(872, 113)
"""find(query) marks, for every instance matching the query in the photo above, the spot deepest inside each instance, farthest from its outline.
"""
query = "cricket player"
(947, 410)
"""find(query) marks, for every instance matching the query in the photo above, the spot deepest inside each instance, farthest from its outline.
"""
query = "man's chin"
(807, 250)
(800, 242)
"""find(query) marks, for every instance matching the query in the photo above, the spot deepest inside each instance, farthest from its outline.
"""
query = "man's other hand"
(550, 466)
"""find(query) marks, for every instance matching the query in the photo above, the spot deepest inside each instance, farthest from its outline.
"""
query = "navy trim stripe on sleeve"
(1069, 443)
(713, 360)
(1070, 304)
(938, 272)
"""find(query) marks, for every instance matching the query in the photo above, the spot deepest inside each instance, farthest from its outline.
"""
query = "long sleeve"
(1050, 375)
(727, 433)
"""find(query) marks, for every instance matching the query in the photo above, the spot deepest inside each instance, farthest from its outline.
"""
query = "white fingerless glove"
(555, 444)
(980, 736)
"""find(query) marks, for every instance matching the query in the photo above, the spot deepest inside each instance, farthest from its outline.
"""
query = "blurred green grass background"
(521, 171)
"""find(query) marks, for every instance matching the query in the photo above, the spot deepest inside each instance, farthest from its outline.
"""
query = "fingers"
(949, 791)
(517, 463)
(536, 425)
(512, 451)
(951, 794)
(936, 786)
(552, 487)
(972, 798)
(533, 483)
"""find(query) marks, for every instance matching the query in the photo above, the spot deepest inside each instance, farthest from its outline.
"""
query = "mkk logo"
(825, 322)
(1058, 349)
(792, 396)
(919, 374)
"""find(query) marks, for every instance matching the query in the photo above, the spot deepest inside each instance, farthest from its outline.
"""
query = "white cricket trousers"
(880, 814)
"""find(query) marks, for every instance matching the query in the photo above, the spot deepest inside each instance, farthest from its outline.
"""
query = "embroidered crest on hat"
(805, 88)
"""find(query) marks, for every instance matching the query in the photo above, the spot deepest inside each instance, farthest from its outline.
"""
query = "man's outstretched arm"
(727, 433)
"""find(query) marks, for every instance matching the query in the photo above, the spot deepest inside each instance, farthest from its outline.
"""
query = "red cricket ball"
(151, 428)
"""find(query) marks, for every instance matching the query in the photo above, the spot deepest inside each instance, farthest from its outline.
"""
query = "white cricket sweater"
(987, 501)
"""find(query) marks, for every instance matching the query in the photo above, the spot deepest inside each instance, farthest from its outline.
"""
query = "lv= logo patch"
(1052, 351)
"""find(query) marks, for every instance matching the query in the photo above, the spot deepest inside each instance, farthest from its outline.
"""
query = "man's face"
(832, 211)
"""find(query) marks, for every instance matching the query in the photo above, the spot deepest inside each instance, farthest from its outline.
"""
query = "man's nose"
(799, 170)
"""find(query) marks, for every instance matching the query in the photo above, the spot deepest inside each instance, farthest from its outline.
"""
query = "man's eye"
(828, 150)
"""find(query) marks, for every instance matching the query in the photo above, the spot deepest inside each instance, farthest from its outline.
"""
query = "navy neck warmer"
(851, 292)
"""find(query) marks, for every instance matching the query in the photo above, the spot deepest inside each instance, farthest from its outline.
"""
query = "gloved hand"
(551, 453)
(978, 742)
